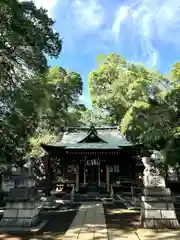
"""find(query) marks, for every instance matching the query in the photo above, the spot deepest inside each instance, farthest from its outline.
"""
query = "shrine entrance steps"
(92, 197)
(92, 194)
(93, 188)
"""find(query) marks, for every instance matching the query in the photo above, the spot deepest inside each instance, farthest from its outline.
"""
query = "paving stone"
(88, 224)
(120, 234)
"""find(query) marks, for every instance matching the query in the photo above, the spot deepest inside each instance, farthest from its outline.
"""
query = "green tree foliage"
(60, 107)
(40, 111)
(101, 85)
(144, 103)
(20, 118)
(27, 37)
(157, 125)
(63, 91)
(94, 117)
(116, 84)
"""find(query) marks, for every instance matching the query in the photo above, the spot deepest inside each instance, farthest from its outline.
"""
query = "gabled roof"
(92, 146)
(108, 137)
(92, 137)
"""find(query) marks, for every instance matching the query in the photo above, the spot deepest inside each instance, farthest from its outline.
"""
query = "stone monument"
(22, 212)
(157, 209)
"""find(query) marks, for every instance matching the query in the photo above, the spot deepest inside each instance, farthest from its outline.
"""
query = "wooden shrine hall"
(92, 156)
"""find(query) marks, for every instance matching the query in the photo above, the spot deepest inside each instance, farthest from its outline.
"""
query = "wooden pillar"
(84, 172)
(77, 178)
(99, 174)
(107, 178)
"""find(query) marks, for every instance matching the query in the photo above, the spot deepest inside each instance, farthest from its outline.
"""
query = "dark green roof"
(78, 138)
(91, 146)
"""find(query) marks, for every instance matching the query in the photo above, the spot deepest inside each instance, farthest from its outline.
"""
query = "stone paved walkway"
(88, 224)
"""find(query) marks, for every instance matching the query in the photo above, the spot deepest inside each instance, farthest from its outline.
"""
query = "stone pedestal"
(21, 212)
(158, 209)
(157, 205)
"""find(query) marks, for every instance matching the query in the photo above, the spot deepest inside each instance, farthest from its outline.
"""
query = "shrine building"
(92, 156)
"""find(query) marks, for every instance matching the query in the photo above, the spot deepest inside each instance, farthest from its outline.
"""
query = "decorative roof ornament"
(92, 126)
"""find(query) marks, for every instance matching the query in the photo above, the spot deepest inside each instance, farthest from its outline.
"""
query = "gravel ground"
(59, 222)
(117, 216)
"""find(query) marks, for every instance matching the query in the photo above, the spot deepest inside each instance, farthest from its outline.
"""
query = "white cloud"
(89, 14)
(121, 15)
(149, 20)
(77, 19)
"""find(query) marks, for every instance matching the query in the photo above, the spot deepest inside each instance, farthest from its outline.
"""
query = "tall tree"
(20, 119)
(27, 37)
(60, 107)
(116, 84)
(144, 103)
(63, 89)
(101, 83)
(157, 125)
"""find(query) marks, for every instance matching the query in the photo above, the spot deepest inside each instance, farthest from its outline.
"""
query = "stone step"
(87, 198)
(93, 198)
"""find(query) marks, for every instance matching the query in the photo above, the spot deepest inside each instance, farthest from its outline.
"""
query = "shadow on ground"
(58, 223)
(166, 234)
(117, 216)
(123, 223)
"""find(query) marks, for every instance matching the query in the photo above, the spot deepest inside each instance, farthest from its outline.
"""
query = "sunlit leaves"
(143, 102)
(27, 34)
(116, 84)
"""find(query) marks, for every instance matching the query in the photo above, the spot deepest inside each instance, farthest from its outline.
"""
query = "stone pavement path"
(88, 224)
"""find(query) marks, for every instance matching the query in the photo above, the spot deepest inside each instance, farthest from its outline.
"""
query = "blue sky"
(144, 31)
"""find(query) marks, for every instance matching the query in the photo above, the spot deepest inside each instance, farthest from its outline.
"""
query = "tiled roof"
(91, 146)
(111, 136)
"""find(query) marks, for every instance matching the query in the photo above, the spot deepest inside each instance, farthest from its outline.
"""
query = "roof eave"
(133, 146)
(47, 147)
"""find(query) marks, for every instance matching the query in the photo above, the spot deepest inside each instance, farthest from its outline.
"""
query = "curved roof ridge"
(87, 128)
